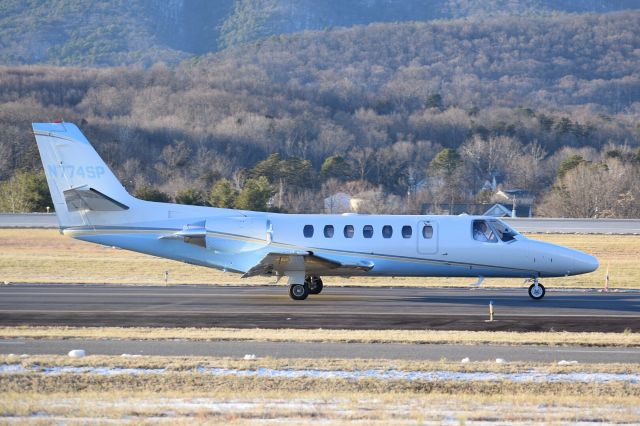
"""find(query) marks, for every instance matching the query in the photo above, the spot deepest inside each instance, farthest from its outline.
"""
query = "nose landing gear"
(536, 290)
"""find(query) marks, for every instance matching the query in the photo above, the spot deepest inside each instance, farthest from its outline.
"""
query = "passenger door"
(427, 237)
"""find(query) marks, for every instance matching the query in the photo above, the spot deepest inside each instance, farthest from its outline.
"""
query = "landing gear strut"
(314, 283)
(536, 290)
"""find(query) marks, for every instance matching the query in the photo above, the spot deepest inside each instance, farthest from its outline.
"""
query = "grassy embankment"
(44, 256)
(185, 393)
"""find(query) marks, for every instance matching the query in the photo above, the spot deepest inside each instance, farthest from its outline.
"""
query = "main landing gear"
(312, 285)
(298, 291)
(536, 290)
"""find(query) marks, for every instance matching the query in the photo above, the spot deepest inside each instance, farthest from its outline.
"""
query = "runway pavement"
(336, 308)
(28, 220)
(238, 349)
(575, 226)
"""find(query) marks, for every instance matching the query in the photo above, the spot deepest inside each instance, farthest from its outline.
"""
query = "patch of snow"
(99, 371)
(249, 357)
(500, 361)
(11, 368)
(430, 376)
(563, 362)
(77, 353)
(130, 356)
(465, 360)
(530, 376)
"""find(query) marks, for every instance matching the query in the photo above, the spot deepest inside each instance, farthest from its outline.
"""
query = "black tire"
(315, 285)
(298, 291)
(536, 295)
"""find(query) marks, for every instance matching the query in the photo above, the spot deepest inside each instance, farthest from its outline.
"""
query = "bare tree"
(486, 158)
(595, 190)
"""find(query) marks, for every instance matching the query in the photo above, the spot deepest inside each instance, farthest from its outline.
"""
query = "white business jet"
(92, 205)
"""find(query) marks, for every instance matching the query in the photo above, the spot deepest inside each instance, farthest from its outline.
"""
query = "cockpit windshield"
(483, 232)
(504, 231)
(489, 231)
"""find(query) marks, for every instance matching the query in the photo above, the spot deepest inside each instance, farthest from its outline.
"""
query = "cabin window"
(308, 231)
(328, 231)
(348, 231)
(387, 231)
(483, 232)
(367, 231)
(505, 233)
(407, 231)
(427, 232)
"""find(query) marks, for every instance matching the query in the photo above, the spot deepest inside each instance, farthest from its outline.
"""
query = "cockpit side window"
(483, 232)
(504, 232)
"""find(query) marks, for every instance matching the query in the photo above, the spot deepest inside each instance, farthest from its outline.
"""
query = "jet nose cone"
(585, 263)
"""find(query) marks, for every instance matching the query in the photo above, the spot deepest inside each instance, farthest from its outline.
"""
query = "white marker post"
(606, 280)
(491, 311)
(166, 277)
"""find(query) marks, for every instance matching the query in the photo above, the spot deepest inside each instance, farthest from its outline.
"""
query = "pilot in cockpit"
(481, 232)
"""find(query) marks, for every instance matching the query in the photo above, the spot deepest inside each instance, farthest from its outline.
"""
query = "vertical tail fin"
(79, 180)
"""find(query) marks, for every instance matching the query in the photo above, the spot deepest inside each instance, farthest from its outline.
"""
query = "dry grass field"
(45, 256)
(625, 339)
(312, 407)
(185, 393)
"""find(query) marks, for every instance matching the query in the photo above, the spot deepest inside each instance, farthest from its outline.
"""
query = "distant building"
(498, 210)
(511, 203)
(506, 210)
(501, 205)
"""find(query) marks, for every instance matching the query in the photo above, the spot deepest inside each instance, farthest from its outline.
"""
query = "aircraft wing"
(306, 261)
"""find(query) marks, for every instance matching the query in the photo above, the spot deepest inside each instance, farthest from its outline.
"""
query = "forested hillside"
(436, 110)
(116, 32)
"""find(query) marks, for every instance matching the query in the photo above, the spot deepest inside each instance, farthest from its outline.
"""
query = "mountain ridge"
(116, 32)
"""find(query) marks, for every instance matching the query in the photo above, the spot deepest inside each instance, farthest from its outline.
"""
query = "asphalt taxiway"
(324, 350)
(335, 308)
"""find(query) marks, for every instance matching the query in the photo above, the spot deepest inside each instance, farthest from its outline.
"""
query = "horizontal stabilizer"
(85, 198)
(283, 263)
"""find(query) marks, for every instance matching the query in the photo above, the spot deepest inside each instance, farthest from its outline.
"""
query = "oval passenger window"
(328, 231)
(348, 231)
(308, 231)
